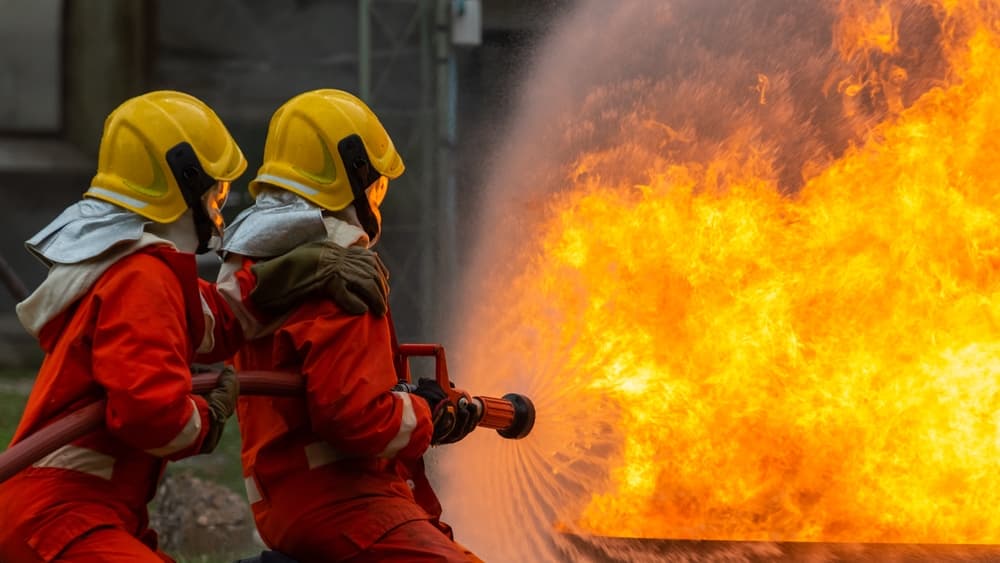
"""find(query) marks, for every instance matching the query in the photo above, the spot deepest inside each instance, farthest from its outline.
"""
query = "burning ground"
(744, 256)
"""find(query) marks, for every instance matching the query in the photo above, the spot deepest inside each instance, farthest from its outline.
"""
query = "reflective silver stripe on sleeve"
(253, 493)
(406, 426)
(79, 459)
(319, 454)
(187, 436)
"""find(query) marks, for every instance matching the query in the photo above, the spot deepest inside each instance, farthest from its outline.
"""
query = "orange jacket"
(326, 462)
(129, 339)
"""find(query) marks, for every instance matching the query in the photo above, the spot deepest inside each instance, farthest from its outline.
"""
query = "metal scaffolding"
(406, 74)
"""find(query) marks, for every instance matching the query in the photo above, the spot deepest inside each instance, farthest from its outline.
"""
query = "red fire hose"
(91, 417)
(512, 417)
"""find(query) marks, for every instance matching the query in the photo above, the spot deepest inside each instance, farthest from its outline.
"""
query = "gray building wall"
(245, 58)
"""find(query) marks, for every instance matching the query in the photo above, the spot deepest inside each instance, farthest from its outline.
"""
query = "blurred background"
(439, 73)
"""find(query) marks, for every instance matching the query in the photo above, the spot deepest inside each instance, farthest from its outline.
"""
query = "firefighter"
(120, 316)
(329, 475)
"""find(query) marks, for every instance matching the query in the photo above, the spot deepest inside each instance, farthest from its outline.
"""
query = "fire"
(820, 367)
(816, 366)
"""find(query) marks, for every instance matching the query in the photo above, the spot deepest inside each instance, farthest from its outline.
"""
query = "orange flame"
(821, 366)
(825, 367)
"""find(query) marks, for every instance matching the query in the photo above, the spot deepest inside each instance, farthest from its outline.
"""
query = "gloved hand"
(442, 411)
(353, 277)
(221, 405)
(451, 422)
(466, 420)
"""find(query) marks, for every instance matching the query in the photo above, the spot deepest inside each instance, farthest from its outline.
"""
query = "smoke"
(641, 83)
(649, 80)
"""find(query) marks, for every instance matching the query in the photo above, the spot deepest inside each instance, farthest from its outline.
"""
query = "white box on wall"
(466, 22)
(31, 66)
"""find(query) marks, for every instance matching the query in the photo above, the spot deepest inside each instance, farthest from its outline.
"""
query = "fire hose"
(512, 416)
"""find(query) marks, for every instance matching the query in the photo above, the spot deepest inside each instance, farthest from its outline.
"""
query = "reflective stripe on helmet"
(115, 197)
(279, 181)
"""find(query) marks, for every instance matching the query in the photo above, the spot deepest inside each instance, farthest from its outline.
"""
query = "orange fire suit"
(129, 339)
(416, 477)
(322, 470)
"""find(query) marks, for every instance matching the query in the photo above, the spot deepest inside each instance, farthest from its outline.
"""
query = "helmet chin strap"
(204, 228)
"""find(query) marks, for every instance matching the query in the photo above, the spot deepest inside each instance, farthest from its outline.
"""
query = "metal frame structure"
(419, 241)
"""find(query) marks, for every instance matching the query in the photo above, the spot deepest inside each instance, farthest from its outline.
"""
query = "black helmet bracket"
(361, 174)
(194, 182)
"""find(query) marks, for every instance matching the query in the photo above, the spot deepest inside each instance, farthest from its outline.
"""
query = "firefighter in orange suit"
(326, 474)
(120, 316)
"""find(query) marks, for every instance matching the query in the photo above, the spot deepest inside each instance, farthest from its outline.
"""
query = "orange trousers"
(109, 545)
(416, 541)
(104, 545)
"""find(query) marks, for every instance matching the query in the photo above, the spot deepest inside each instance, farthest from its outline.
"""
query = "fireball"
(777, 319)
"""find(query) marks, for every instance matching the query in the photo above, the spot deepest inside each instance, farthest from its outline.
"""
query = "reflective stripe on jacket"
(130, 340)
(339, 444)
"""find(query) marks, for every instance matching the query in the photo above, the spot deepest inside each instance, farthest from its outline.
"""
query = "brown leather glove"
(353, 277)
(221, 405)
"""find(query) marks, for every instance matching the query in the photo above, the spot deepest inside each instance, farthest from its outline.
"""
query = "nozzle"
(524, 417)
(512, 417)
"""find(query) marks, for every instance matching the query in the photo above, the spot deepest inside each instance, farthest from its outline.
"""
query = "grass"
(221, 466)
(14, 386)
(11, 407)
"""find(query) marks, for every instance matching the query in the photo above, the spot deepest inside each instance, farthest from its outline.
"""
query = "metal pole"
(444, 185)
(13, 283)
(364, 50)
(429, 274)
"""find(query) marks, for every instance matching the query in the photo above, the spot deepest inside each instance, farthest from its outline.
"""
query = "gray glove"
(353, 277)
(221, 405)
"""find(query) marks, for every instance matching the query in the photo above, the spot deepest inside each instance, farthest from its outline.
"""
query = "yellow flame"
(816, 367)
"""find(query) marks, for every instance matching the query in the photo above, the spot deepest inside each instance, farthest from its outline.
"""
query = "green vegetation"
(221, 466)
(11, 407)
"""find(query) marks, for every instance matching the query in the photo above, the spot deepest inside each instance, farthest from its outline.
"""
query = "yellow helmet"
(329, 147)
(161, 152)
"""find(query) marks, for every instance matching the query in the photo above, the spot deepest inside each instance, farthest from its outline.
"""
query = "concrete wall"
(103, 46)
(246, 57)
